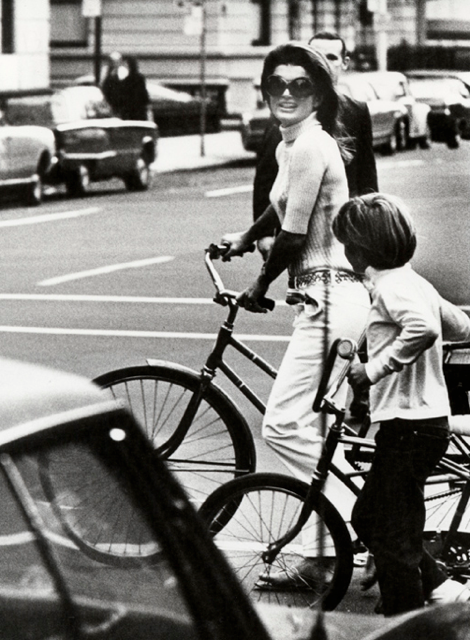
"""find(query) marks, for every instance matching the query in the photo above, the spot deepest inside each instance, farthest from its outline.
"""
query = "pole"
(381, 18)
(97, 57)
(203, 77)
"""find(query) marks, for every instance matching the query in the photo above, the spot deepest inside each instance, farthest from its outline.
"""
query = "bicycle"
(194, 425)
(269, 512)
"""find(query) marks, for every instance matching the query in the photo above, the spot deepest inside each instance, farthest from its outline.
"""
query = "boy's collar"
(373, 275)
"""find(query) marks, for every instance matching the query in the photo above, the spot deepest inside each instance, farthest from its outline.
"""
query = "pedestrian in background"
(361, 171)
(111, 85)
(135, 101)
(407, 324)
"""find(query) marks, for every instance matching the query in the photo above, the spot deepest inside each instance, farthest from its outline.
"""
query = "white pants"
(290, 426)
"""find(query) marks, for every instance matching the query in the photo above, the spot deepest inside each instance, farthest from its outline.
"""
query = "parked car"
(90, 144)
(179, 113)
(99, 540)
(389, 117)
(26, 156)
(175, 112)
(252, 128)
(394, 86)
(449, 100)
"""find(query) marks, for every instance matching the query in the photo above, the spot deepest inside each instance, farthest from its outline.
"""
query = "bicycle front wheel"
(217, 445)
(249, 513)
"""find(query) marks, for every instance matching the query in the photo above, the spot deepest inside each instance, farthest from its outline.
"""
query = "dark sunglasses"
(298, 88)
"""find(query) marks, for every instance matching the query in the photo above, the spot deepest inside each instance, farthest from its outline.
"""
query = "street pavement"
(183, 153)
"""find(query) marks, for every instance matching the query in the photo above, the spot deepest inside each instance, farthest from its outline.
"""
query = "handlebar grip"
(218, 250)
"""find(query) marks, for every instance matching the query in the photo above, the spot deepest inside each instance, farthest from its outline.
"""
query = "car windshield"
(358, 89)
(68, 105)
(79, 103)
(100, 554)
(389, 89)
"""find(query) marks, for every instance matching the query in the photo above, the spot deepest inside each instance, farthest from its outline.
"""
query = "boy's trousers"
(389, 514)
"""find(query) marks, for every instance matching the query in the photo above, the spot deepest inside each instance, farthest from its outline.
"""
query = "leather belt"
(323, 276)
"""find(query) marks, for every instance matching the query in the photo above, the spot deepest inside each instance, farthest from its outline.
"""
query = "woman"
(308, 191)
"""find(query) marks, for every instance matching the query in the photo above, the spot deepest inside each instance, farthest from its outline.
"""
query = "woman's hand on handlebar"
(253, 298)
(236, 244)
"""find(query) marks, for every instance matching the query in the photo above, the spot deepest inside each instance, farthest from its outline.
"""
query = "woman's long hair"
(318, 70)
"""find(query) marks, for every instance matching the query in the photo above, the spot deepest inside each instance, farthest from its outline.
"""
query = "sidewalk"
(184, 152)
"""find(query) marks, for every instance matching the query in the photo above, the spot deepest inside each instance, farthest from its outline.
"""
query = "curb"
(189, 153)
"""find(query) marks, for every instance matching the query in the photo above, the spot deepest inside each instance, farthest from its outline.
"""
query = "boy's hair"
(380, 226)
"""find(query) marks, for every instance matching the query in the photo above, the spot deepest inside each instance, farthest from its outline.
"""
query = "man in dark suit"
(361, 171)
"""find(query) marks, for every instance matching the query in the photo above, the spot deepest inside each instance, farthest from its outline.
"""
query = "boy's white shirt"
(407, 324)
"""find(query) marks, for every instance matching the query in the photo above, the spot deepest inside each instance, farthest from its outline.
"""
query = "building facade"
(223, 42)
(24, 46)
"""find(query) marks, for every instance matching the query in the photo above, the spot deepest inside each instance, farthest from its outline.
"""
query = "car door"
(380, 111)
(22, 149)
(3, 151)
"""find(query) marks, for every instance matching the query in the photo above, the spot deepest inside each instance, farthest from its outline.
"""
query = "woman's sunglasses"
(298, 88)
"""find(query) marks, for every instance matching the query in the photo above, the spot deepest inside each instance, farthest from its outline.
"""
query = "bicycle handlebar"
(225, 296)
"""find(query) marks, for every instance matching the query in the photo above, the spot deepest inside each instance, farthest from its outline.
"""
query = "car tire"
(402, 135)
(391, 146)
(453, 139)
(139, 178)
(34, 191)
(77, 181)
(425, 142)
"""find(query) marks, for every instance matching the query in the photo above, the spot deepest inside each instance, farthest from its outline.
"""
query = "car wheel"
(391, 145)
(77, 181)
(453, 140)
(34, 191)
(402, 135)
(425, 141)
(139, 178)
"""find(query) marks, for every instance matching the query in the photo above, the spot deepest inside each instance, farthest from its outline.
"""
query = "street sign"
(91, 8)
(194, 21)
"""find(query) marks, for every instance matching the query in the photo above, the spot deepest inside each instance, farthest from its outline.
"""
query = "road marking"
(64, 297)
(49, 217)
(220, 193)
(24, 537)
(79, 275)
(124, 333)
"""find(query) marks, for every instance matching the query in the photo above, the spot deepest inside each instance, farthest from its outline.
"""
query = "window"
(8, 26)
(68, 26)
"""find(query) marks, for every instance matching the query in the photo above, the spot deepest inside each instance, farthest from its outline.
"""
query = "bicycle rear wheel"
(447, 542)
(262, 508)
(218, 444)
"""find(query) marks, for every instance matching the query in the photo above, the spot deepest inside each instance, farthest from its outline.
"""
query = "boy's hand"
(357, 376)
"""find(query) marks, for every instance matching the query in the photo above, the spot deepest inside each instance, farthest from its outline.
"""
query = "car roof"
(439, 73)
(397, 75)
(35, 398)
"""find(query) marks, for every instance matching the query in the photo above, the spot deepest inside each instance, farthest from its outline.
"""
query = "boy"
(407, 324)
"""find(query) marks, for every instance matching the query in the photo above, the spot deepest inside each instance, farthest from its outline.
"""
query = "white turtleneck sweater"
(309, 189)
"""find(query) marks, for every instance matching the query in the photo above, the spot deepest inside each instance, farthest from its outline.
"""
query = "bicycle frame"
(215, 360)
